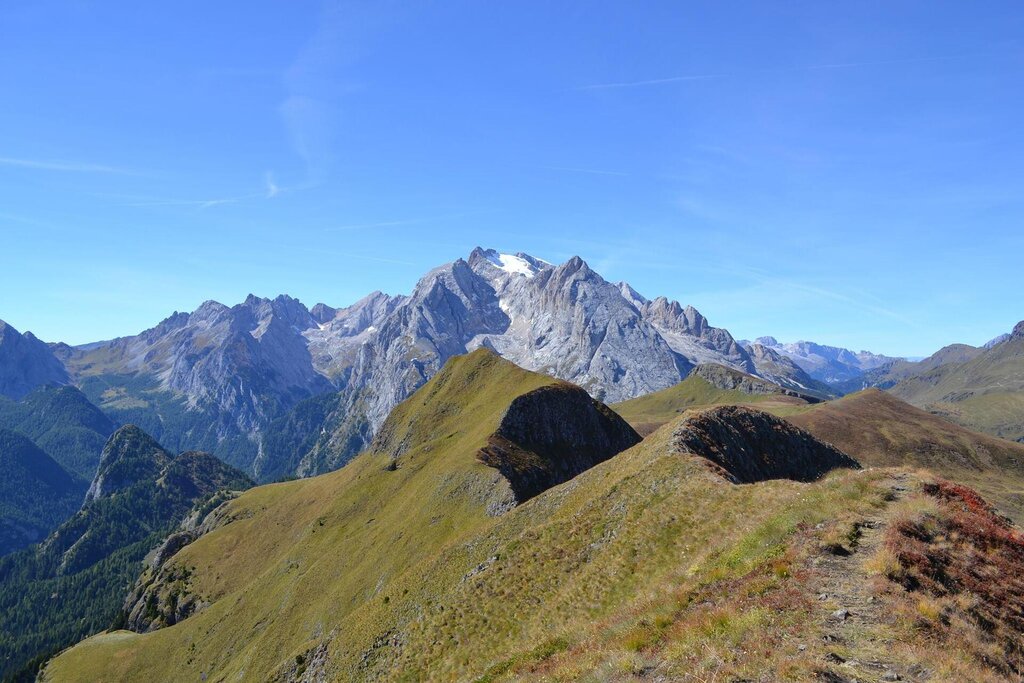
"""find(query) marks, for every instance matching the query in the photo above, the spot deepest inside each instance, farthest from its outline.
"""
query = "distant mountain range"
(829, 364)
(278, 389)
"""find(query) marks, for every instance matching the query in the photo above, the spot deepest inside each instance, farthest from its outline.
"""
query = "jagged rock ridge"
(246, 366)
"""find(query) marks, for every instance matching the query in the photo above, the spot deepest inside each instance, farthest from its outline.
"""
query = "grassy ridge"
(391, 569)
(883, 431)
(982, 393)
(647, 413)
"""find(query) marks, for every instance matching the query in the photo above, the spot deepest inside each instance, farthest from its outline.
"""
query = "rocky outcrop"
(549, 435)
(1018, 331)
(130, 456)
(26, 363)
(162, 596)
(748, 446)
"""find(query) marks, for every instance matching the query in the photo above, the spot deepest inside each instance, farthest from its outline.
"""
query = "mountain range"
(451, 426)
(278, 389)
(229, 379)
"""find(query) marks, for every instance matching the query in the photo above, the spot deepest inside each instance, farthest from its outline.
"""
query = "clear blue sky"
(846, 172)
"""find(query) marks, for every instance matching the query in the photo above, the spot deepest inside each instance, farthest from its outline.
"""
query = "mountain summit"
(26, 363)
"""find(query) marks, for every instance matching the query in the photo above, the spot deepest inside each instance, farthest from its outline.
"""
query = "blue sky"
(846, 172)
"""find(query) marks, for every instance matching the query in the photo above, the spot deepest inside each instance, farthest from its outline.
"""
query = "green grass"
(650, 411)
(985, 393)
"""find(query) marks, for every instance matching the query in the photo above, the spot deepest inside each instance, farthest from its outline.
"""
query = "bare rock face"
(246, 363)
(692, 337)
(569, 322)
(550, 435)
(748, 446)
(26, 363)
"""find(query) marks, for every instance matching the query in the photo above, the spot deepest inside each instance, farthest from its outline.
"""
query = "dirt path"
(858, 640)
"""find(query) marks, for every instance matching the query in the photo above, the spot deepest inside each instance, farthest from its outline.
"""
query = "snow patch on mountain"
(512, 263)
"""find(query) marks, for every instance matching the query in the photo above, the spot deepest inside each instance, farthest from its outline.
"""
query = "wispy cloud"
(752, 72)
(198, 203)
(317, 81)
(273, 189)
(650, 81)
(63, 166)
(591, 171)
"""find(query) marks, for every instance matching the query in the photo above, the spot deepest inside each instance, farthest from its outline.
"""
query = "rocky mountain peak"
(1018, 331)
(631, 295)
(323, 313)
(130, 456)
(26, 363)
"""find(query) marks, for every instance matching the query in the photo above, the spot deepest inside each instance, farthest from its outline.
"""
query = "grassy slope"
(881, 430)
(985, 393)
(644, 563)
(649, 412)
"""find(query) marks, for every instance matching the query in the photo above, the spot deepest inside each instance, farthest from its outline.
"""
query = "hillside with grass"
(708, 385)
(647, 564)
(882, 431)
(984, 392)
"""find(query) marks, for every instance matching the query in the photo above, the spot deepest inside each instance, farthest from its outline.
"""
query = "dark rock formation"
(549, 435)
(750, 446)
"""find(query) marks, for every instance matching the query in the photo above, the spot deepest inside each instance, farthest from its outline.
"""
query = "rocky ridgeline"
(748, 446)
(242, 367)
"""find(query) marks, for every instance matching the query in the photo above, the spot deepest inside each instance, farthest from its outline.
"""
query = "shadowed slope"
(751, 446)
(36, 494)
